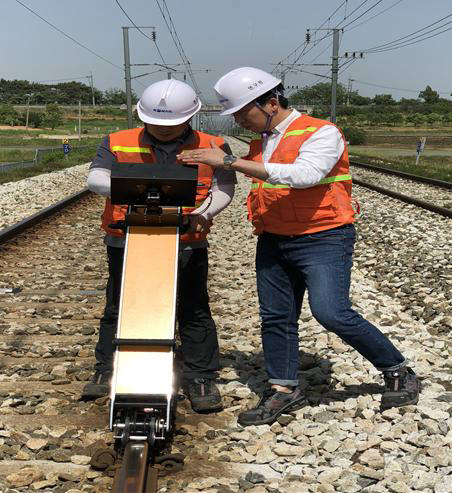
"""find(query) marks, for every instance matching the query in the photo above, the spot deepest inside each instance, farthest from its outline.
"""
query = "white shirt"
(316, 158)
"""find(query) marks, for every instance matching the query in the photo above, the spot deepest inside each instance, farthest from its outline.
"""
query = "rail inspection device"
(143, 393)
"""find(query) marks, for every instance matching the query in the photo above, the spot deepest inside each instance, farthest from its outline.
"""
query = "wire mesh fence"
(39, 155)
(213, 123)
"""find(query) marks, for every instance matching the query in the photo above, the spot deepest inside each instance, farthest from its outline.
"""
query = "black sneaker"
(402, 388)
(271, 406)
(99, 385)
(203, 395)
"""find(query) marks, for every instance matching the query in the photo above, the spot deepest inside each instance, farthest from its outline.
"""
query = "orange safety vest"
(127, 147)
(283, 210)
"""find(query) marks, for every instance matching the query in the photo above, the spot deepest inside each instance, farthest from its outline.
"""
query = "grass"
(52, 162)
(34, 143)
(13, 155)
(438, 167)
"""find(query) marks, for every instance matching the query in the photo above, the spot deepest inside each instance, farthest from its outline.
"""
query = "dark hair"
(278, 93)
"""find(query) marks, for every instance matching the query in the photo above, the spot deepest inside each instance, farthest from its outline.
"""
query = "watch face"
(228, 159)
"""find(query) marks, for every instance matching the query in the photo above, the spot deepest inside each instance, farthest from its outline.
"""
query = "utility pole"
(79, 120)
(334, 73)
(349, 90)
(125, 35)
(28, 110)
(90, 77)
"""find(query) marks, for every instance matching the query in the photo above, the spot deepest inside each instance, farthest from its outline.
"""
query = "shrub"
(35, 119)
(354, 135)
(8, 115)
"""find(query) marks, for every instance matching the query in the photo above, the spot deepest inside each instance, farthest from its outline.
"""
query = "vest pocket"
(315, 204)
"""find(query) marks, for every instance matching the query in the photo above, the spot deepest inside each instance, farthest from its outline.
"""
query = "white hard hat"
(241, 86)
(168, 102)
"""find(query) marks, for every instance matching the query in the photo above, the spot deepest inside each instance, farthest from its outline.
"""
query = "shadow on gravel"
(315, 376)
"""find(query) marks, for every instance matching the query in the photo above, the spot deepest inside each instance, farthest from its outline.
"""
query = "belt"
(274, 235)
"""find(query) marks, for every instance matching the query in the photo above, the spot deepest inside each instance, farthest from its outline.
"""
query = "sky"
(219, 36)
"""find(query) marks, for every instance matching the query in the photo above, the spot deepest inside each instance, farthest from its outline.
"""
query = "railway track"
(51, 296)
(51, 292)
(438, 190)
(53, 275)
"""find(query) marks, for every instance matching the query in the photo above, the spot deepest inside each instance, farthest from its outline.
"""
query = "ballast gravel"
(20, 199)
(428, 193)
(340, 441)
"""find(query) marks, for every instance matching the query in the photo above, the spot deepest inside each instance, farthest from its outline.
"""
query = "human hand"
(212, 157)
(198, 224)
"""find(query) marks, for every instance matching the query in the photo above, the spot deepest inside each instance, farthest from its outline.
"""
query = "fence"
(213, 123)
(39, 153)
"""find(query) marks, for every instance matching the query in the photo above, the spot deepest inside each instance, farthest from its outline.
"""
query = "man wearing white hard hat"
(301, 209)
(166, 108)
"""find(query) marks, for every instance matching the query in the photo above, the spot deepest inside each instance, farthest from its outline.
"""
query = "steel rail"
(405, 198)
(402, 174)
(17, 228)
(443, 211)
(388, 171)
(132, 477)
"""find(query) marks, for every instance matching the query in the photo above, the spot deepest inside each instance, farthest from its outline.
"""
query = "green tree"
(429, 95)
(380, 99)
(35, 119)
(318, 94)
(8, 115)
(354, 135)
(432, 118)
(393, 118)
(416, 119)
(53, 116)
(376, 118)
(358, 100)
(117, 96)
(447, 118)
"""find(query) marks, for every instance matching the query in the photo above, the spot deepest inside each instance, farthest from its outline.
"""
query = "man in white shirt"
(300, 207)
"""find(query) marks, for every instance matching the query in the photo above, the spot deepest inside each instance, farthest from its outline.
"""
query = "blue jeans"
(287, 266)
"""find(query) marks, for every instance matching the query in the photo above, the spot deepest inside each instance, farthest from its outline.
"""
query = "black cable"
(364, 13)
(376, 15)
(304, 45)
(414, 42)
(172, 29)
(68, 36)
(59, 80)
(396, 88)
(407, 36)
(140, 31)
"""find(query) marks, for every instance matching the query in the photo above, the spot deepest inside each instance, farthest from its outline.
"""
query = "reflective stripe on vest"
(139, 150)
(323, 181)
(300, 132)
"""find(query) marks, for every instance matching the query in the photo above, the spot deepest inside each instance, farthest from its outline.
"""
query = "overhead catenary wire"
(395, 41)
(376, 15)
(72, 38)
(172, 30)
(61, 80)
(395, 88)
(396, 47)
(360, 15)
(304, 45)
(68, 36)
(141, 31)
(338, 26)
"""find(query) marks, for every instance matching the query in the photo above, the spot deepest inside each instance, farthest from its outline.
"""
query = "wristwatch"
(229, 160)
